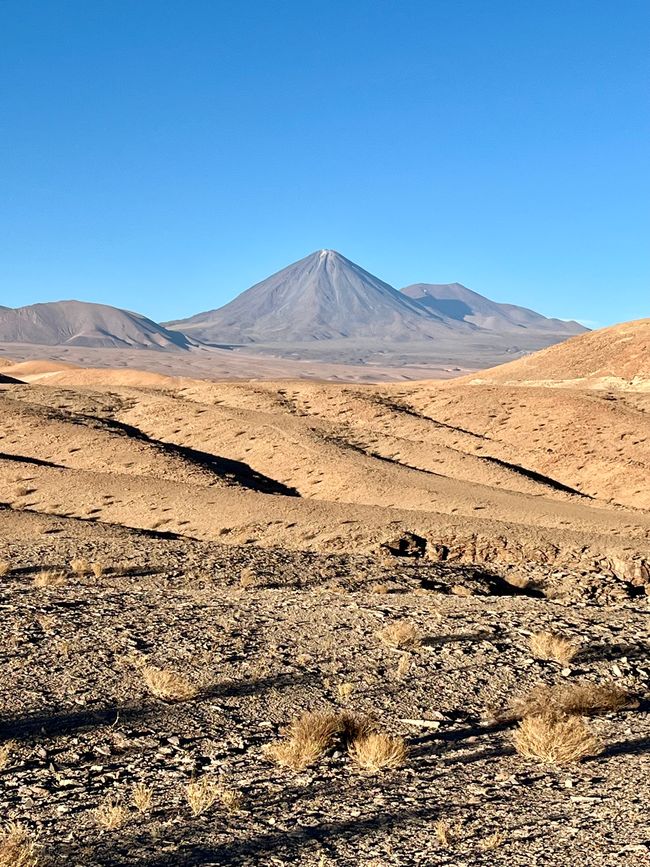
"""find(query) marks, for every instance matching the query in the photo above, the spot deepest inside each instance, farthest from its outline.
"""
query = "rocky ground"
(267, 634)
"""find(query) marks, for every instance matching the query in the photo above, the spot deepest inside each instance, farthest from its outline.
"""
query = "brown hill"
(483, 473)
(617, 357)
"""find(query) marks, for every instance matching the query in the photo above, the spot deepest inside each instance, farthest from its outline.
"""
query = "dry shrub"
(142, 797)
(50, 578)
(201, 795)
(248, 578)
(555, 740)
(444, 832)
(400, 635)
(311, 735)
(308, 738)
(492, 842)
(375, 751)
(111, 815)
(230, 798)
(167, 684)
(572, 698)
(80, 566)
(17, 849)
(5, 568)
(6, 750)
(549, 645)
(97, 569)
(344, 690)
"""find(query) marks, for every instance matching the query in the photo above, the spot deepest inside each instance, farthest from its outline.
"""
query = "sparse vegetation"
(344, 691)
(80, 566)
(111, 815)
(445, 833)
(50, 578)
(17, 848)
(231, 799)
(167, 684)
(555, 740)
(376, 751)
(312, 734)
(6, 750)
(549, 645)
(572, 698)
(201, 795)
(400, 635)
(142, 797)
(5, 568)
(308, 738)
(97, 569)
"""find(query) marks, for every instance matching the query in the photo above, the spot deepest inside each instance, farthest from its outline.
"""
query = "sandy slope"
(333, 467)
(616, 357)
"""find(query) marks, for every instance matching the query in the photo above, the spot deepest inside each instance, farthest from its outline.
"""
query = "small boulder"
(406, 545)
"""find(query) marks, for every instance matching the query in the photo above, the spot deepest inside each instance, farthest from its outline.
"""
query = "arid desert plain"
(270, 620)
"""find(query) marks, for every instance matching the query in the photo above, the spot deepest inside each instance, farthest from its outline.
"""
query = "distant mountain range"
(79, 323)
(327, 297)
(455, 301)
(323, 297)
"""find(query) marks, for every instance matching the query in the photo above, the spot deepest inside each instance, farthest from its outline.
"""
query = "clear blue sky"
(163, 155)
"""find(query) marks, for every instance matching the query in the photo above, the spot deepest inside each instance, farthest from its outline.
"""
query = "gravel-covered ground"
(266, 635)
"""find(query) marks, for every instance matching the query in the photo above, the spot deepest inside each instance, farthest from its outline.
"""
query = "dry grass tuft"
(6, 750)
(142, 797)
(50, 578)
(167, 684)
(248, 578)
(400, 635)
(308, 738)
(376, 751)
(356, 725)
(572, 698)
(111, 815)
(549, 645)
(344, 690)
(231, 799)
(80, 566)
(97, 569)
(201, 795)
(17, 849)
(494, 841)
(555, 740)
(311, 735)
(5, 568)
(444, 832)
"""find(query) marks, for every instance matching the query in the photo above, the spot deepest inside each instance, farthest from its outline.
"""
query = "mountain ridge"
(83, 323)
(323, 296)
(458, 302)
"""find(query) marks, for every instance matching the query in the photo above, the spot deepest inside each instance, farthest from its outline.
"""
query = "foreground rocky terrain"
(264, 635)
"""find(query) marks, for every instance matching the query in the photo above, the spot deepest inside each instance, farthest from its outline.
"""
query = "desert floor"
(254, 538)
